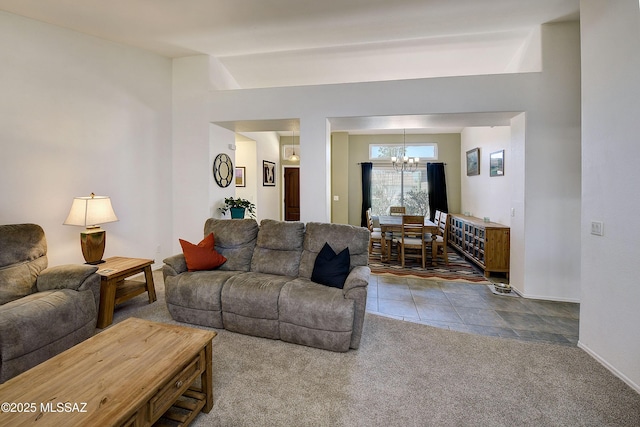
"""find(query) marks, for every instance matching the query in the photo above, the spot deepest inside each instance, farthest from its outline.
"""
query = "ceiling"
(308, 42)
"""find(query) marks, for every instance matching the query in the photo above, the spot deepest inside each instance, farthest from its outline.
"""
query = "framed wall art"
(496, 163)
(240, 171)
(473, 162)
(268, 173)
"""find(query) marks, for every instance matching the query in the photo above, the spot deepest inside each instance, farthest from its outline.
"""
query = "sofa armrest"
(174, 265)
(355, 288)
(358, 277)
(75, 277)
(71, 276)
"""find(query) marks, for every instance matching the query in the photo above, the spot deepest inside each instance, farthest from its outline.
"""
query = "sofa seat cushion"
(305, 303)
(253, 295)
(34, 321)
(199, 290)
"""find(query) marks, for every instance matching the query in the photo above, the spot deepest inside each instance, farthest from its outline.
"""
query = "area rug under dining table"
(458, 270)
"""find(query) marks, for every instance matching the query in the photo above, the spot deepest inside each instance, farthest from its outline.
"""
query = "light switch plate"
(597, 228)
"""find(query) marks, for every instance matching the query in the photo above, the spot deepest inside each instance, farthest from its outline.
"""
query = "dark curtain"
(437, 189)
(366, 191)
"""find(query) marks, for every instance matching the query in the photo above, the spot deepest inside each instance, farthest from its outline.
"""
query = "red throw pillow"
(202, 256)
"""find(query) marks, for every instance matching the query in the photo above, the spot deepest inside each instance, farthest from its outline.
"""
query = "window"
(392, 188)
(384, 152)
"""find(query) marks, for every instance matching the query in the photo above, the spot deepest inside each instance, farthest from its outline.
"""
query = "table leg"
(148, 276)
(383, 247)
(107, 303)
(206, 379)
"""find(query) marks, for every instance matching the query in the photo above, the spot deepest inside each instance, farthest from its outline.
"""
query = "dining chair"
(375, 237)
(412, 237)
(440, 240)
(371, 221)
(436, 218)
(397, 210)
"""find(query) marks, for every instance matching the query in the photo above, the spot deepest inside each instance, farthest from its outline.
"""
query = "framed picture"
(240, 171)
(268, 174)
(473, 162)
(496, 163)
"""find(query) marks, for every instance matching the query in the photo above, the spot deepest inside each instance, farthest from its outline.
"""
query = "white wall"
(78, 115)
(484, 195)
(552, 174)
(246, 156)
(610, 309)
(195, 144)
(516, 171)
(268, 198)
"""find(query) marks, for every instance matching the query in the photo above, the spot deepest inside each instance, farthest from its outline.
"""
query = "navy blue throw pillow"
(331, 269)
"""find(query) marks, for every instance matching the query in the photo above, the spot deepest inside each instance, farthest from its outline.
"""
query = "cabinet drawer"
(168, 394)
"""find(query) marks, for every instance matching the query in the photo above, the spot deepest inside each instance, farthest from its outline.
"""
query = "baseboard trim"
(546, 298)
(612, 369)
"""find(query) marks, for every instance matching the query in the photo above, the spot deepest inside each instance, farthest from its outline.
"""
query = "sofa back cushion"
(338, 236)
(23, 250)
(235, 239)
(278, 248)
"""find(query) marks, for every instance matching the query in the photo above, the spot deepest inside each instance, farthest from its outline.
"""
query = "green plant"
(245, 204)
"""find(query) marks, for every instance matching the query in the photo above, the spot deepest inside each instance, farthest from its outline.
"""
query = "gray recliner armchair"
(43, 311)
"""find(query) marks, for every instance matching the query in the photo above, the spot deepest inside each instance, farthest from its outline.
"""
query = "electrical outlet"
(597, 228)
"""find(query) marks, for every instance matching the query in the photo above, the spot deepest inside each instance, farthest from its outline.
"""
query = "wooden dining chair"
(397, 210)
(436, 217)
(440, 240)
(375, 237)
(412, 237)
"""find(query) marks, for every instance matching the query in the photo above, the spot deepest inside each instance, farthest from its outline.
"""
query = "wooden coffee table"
(131, 374)
(114, 289)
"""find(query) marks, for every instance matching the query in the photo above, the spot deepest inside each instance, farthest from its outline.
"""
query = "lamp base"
(93, 243)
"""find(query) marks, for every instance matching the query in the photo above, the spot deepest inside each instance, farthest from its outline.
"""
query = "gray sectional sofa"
(43, 311)
(265, 288)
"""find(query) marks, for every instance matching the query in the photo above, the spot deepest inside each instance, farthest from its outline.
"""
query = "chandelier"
(404, 163)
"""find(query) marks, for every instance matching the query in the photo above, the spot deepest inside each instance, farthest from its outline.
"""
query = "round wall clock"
(223, 170)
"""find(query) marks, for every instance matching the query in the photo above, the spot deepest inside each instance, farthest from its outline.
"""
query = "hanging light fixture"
(293, 157)
(405, 164)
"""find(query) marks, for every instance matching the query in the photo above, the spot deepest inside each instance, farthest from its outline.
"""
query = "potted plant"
(238, 207)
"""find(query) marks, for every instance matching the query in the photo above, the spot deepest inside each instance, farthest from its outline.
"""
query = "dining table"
(393, 224)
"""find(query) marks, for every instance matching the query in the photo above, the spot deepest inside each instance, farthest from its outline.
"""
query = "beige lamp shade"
(91, 211)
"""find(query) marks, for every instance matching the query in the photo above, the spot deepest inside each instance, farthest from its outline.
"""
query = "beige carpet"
(406, 374)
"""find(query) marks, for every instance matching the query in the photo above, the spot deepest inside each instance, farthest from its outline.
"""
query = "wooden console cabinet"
(484, 243)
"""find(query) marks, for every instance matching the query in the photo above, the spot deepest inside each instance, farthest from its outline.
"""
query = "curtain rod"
(359, 163)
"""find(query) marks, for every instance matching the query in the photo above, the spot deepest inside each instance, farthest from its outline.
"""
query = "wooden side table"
(114, 289)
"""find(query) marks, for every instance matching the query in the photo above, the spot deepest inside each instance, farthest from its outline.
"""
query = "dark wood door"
(292, 194)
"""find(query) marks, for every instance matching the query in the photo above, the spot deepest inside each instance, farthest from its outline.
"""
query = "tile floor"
(473, 308)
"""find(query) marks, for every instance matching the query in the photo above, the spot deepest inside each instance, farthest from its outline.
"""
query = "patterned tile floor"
(473, 308)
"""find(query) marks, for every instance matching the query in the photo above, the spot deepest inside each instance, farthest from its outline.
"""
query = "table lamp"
(89, 212)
